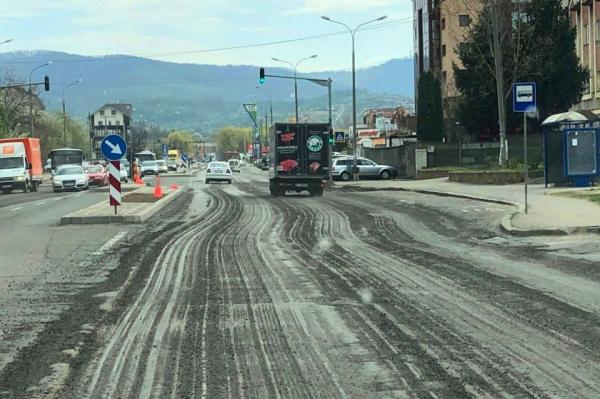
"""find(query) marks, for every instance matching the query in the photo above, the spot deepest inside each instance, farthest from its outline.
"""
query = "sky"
(181, 30)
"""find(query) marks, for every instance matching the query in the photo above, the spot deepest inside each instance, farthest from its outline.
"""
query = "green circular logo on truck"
(314, 143)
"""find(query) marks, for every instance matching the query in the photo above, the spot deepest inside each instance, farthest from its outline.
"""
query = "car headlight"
(20, 178)
(57, 182)
(81, 181)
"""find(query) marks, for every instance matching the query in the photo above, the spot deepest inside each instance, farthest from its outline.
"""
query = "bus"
(65, 156)
(145, 156)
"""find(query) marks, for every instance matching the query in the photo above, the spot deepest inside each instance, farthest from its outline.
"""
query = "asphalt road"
(353, 295)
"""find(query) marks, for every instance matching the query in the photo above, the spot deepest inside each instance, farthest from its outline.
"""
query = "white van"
(234, 165)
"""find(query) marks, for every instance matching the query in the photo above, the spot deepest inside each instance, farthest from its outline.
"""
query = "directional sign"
(114, 182)
(113, 147)
(524, 99)
(184, 157)
(340, 137)
(165, 148)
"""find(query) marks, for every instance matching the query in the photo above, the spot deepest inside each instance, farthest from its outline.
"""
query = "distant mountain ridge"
(194, 96)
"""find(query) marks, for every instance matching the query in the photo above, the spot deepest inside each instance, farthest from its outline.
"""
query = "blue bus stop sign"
(113, 147)
(524, 97)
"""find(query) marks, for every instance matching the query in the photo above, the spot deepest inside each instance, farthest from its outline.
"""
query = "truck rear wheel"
(26, 186)
(6, 191)
(34, 186)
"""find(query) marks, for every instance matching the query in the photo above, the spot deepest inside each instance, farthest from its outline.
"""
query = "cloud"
(321, 6)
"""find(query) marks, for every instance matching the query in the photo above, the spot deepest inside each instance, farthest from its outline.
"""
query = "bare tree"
(14, 103)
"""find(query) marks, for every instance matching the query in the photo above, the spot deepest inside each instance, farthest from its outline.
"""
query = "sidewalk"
(547, 214)
(127, 212)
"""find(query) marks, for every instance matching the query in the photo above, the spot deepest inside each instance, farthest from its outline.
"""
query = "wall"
(402, 158)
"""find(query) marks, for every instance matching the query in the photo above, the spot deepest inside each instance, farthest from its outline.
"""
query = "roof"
(571, 116)
(125, 109)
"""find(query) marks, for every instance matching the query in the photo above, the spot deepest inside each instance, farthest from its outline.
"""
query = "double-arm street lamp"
(354, 132)
(270, 100)
(31, 94)
(294, 68)
(78, 81)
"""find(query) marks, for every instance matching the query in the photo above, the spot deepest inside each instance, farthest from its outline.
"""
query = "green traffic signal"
(261, 79)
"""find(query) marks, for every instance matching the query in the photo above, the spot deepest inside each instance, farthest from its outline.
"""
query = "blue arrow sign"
(184, 157)
(113, 147)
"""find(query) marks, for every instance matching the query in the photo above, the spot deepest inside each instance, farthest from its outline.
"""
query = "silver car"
(70, 177)
(342, 169)
(218, 171)
(162, 166)
(149, 168)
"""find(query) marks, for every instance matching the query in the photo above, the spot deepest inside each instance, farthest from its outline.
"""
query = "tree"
(232, 138)
(430, 118)
(181, 140)
(14, 107)
(537, 45)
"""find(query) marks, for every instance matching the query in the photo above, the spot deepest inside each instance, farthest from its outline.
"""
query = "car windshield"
(11, 163)
(217, 165)
(94, 169)
(149, 163)
(69, 170)
(161, 163)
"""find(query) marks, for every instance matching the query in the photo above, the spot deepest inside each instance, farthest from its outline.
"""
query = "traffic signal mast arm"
(45, 83)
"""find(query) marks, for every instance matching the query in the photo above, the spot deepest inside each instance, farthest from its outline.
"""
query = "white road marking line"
(17, 208)
(40, 203)
(110, 243)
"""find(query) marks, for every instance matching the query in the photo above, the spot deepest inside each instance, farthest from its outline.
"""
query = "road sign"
(114, 183)
(113, 147)
(340, 137)
(524, 97)
(184, 157)
(251, 110)
(165, 148)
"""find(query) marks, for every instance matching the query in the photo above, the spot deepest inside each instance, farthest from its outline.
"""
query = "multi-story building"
(108, 119)
(585, 16)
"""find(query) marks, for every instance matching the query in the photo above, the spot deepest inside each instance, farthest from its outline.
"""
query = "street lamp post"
(7, 41)
(354, 132)
(270, 100)
(31, 95)
(65, 109)
(294, 68)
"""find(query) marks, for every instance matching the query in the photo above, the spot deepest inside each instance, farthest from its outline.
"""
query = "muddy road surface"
(353, 295)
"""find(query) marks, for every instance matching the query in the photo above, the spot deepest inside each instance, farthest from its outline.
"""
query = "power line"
(218, 49)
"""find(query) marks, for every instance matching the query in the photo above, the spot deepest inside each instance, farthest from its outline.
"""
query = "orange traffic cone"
(158, 193)
(138, 180)
(174, 186)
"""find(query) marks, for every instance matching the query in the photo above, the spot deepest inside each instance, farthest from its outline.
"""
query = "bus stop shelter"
(571, 148)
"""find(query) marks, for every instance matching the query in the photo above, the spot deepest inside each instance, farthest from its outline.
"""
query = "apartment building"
(585, 16)
(108, 119)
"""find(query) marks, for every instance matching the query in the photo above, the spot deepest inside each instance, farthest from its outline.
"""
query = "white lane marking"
(17, 208)
(110, 243)
(40, 203)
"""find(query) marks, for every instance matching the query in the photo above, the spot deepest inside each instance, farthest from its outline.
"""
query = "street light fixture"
(270, 100)
(31, 94)
(78, 81)
(294, 68)
(354, 132)
(7, 41)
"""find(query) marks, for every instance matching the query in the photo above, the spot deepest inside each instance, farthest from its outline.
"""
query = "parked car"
(69, 177)
(148, 168)
(162, 166)
(234, 165)
(218, 171)
(172, 165)
(342, 169)
(97, 175)
(124, 173)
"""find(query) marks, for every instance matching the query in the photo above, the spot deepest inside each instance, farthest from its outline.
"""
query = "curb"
(506, 225)
(124, 219)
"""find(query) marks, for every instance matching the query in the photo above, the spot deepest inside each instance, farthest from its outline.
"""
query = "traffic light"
(261, 79)
(331, 136)
(46, 83)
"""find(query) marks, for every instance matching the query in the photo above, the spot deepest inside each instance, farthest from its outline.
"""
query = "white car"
(124, 173)
(162, 166)
(218, 171)
(70, 177)
(234, 165)
(148, 168)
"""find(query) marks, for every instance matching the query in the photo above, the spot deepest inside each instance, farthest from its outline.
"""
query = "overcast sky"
(159, 28)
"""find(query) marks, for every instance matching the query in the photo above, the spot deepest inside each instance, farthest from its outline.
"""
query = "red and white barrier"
(114, 182)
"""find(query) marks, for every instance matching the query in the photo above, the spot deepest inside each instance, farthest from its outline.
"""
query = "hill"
(194, 96)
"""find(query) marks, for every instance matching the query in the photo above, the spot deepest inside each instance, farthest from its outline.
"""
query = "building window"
(113, 112)
(598, 31)
(586, 34)
(109, 123)
(443, 23)
(100, 123)
(464, 20)
(443, 50)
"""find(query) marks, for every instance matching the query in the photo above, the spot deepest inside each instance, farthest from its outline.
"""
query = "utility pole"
(499, 72)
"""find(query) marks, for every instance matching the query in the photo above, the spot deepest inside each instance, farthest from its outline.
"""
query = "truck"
(64, 156)
(174, 155)
(227, 155)
(299, 158)
(20, 164)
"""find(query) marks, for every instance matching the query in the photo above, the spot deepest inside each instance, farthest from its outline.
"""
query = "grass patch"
(589, 194)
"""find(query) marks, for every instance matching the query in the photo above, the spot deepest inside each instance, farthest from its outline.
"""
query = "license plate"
(6, 185)
(218, 170)
(69, 184)
(301, 185)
